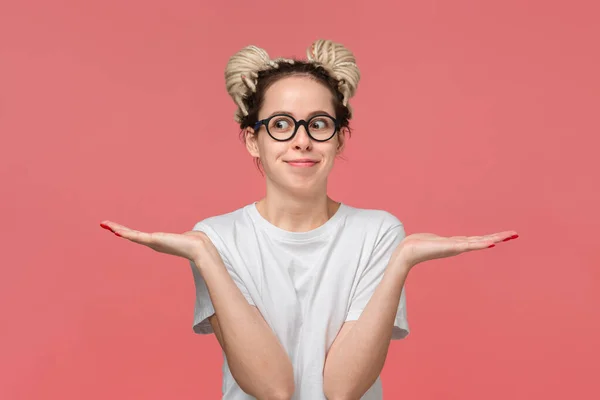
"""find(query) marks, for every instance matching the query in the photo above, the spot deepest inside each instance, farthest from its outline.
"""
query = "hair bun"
(339, 62)
(241, 75)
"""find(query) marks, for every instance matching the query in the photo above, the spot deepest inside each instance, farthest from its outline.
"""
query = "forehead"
(299, 95)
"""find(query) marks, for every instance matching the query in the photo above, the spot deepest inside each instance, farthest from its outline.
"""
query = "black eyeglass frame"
(297, 125)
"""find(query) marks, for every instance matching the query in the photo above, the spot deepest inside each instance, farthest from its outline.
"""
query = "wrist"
(207, 263)
(199, 263)
(400, 265)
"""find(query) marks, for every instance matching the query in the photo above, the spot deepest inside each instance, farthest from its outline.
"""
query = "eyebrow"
(292, 114)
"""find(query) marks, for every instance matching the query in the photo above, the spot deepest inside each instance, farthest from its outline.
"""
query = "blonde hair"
(243, 68)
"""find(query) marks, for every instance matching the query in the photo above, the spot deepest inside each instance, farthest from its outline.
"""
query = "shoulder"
(222, 228)
(378, 220)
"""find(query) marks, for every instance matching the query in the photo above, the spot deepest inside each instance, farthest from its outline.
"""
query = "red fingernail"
(492, 246)
(510, 238)
(117, 234)
(107, 227)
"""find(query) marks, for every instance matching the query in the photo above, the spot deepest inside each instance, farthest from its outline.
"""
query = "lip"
(302, 162)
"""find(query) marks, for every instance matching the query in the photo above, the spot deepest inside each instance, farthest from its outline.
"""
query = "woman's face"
(301, 97)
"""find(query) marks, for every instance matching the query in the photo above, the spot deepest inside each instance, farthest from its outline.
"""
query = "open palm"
(188, 245)
(420, 247)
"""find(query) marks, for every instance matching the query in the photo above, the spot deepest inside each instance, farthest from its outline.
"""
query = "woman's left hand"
(420, 247)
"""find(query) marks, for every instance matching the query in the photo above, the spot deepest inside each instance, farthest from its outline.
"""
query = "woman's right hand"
(193, 245)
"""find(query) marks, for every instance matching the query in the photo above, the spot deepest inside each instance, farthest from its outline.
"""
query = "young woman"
(304, 293)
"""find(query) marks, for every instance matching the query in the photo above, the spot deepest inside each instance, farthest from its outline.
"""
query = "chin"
(297, 184)
(300, 180)
(304, 184)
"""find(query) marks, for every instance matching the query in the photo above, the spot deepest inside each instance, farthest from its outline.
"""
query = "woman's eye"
(281, 124)
(318, 124)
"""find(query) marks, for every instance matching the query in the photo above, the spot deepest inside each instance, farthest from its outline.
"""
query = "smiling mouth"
(302, 163)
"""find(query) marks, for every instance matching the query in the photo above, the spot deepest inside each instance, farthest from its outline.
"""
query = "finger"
(472, 245)
(109, 227)
(123, 231)
(135, 236)
(501, 236)
(485, 238)
(106, 225)
(511, 237)
(458, 237)
(494, 237)
(112, 226)
(473, 238)
(467, 240)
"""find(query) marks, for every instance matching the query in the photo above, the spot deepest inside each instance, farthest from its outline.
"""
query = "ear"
(251, 140)
(341, 137)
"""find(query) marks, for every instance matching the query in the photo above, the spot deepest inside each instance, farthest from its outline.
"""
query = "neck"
(294, 213)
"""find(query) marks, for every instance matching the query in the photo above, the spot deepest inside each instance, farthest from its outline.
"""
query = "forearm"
(256, 359)
(355, 360)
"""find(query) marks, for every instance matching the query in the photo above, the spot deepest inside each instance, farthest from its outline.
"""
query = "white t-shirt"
(305, 284)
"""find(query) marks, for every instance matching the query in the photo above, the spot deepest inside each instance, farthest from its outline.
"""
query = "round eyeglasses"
(283, 127)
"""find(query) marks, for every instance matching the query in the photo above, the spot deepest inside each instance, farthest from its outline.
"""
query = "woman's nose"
(301, 139)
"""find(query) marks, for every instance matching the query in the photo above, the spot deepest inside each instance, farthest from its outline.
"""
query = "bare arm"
(358, 353)
(258, 362)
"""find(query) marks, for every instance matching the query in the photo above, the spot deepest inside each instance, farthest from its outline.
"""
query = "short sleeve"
(203, 307)
(371, 277)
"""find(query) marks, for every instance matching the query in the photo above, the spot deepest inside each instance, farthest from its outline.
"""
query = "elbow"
(335, 394)
(284, 392)
(286, 387)
(280, 396)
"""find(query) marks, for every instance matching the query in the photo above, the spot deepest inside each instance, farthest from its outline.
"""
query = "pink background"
(471, 117)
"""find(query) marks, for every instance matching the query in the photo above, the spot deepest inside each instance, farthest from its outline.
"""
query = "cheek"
(330, 151)
(270, 150)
